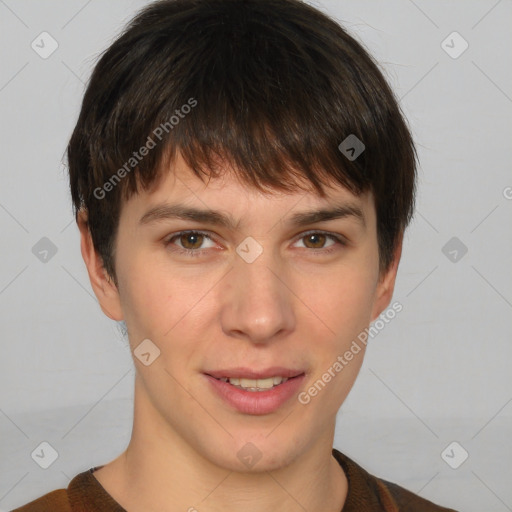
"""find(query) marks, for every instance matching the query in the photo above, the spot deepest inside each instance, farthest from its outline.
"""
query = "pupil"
(316, 236)
(191, 236)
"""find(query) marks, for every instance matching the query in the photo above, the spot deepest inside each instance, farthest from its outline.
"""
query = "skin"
(295, 306)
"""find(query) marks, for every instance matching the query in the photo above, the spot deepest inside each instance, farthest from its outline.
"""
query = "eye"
(317, 240)
(189, 242)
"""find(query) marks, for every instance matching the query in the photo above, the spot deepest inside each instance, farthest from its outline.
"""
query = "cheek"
(340, 301)
(344, 306)
(161, 304)
(146, 296)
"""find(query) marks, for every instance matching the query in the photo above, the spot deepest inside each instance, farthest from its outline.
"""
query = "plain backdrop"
(439, 373)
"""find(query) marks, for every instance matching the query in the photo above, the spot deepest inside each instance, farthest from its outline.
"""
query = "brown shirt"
(366, 493)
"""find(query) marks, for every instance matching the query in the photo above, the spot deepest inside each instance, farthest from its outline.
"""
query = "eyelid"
(206, 234)
(339, 238)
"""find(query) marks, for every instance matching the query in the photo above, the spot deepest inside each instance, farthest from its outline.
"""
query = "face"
(269, 292)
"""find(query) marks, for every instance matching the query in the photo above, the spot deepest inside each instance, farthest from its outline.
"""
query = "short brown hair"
(277, 86)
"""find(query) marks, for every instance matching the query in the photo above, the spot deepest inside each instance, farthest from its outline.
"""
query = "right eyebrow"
(166, 211)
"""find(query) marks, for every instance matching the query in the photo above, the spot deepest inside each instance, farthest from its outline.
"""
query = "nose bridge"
(258, 304)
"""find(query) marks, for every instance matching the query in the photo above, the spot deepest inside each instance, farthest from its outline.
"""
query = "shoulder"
(84, 493)
(61, 500)
(406, 500)
(368, 492)
(56, 501)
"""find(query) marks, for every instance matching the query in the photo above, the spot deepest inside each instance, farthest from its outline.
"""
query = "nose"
(256, 301)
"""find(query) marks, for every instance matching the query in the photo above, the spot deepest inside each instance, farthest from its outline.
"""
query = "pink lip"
(257, 402)
(247, 373)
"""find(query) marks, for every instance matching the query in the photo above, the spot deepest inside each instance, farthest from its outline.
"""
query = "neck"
(160, 467)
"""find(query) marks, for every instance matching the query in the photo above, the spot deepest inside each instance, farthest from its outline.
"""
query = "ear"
(105, 290)
(386, 285)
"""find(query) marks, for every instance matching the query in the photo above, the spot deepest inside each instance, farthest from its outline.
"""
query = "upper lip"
(247, 373)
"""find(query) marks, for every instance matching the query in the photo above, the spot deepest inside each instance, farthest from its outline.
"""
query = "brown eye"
(321, 243)
(317, 240)
(190, 243)
(191, 240)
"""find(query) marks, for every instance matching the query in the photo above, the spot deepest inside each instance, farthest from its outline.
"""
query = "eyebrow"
(167, 211)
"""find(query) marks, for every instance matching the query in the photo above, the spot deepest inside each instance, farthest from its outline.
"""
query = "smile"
(256, 396)
(254, 384)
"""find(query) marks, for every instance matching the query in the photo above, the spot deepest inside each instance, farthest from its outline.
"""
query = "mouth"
(257, 384)
(256, 393)
(256, 381)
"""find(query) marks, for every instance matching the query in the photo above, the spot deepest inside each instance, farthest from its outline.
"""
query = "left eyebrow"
(339, 212)
(180, 211)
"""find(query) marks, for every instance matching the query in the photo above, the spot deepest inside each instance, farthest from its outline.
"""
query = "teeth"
(255, 384)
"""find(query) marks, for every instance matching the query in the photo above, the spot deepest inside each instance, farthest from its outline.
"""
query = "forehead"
(228, 201)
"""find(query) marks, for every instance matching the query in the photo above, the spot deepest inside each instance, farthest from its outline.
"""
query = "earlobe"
(386, 285)
(105, 290)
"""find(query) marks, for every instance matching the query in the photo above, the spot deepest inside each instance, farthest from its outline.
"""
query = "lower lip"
(257, 402)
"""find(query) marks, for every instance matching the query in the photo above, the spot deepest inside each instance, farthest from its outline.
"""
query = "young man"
(242, 178)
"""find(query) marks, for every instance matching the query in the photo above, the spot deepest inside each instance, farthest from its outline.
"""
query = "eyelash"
(198, 252)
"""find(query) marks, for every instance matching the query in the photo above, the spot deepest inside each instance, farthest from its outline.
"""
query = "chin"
(261, 452)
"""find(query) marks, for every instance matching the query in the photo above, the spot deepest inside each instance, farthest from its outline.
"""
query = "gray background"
(438, 373)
